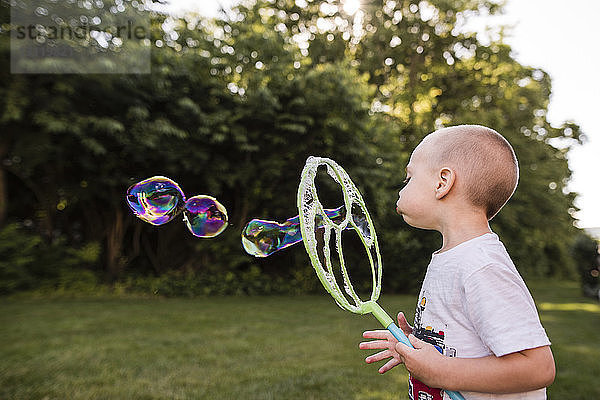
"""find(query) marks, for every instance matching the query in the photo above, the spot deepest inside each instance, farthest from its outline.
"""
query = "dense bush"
(27, 262)
(587, 259)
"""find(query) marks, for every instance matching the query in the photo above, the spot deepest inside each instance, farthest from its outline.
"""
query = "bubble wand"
(357, 217)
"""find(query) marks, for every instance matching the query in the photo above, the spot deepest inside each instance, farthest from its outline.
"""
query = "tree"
(234, 105)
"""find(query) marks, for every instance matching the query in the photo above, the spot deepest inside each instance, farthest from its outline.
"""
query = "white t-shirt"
(473, 303)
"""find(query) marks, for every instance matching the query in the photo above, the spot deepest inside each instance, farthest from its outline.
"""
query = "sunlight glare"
(351, 6)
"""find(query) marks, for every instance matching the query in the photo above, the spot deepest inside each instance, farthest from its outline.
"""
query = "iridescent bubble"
(204, 216)
(156, 200)
(261, 238)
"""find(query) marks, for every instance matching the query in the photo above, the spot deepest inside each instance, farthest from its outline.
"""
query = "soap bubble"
(261, 238)
(156, 200)
(204, 216)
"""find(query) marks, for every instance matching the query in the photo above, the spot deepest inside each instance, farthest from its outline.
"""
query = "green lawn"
(240, 348)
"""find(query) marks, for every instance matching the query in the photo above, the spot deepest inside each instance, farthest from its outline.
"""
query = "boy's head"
(466, 165)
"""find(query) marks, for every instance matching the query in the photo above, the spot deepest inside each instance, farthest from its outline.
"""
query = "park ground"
(303, 347)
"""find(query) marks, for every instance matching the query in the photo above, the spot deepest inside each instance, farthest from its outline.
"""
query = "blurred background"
(229, 99)
(235, 100)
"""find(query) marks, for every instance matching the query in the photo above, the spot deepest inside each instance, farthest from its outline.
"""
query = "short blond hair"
(486, 164)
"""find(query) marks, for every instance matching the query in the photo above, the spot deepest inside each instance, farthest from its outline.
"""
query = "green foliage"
(585, 254)
(16, 255)
(27, 262)
(233, 107)
(193, 284)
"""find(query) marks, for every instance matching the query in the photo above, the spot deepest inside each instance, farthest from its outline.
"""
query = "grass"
(239, 348)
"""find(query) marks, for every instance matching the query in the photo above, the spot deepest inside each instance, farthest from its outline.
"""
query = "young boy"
(476, 327)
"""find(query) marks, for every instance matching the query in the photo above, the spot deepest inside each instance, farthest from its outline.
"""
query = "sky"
(562, 39)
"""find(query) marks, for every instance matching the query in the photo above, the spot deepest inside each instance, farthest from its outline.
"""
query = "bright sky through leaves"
(351, 6)
(543, 35)
(558, 37)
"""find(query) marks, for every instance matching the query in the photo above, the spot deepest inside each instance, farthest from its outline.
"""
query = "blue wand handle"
(398, 334)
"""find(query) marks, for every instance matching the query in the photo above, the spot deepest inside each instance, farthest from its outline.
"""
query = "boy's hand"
(424, 362)
(386, 341)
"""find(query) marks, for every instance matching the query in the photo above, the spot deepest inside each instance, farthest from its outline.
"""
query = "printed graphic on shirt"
(417, 390)
(428, 334)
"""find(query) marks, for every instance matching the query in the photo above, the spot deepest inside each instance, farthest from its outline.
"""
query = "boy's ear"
(446, 177)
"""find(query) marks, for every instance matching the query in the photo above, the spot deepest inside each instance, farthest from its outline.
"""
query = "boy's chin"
(406, 218)
(413, 223)
(410, 221)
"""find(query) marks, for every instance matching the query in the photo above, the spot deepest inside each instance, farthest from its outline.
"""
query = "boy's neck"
(461, 227)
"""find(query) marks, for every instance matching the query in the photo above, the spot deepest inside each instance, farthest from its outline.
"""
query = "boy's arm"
(516, 372)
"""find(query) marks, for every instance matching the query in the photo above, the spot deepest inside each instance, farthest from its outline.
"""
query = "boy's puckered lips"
(398, 207)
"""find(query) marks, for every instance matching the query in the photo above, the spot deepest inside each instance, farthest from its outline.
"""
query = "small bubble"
(204, 216)
(41, 11)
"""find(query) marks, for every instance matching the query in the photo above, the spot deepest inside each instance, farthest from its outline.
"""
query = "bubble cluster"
(261, 238)
(159, 200)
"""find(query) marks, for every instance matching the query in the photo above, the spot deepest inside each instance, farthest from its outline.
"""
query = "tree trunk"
(114, 246)
(3, 197)
(3, 188)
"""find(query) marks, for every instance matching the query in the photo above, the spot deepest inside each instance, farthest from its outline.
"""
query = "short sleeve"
(502, 311)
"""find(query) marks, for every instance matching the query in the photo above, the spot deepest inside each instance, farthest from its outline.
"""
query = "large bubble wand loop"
(309, 207)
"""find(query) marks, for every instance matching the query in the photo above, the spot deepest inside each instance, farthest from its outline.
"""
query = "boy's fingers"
(374, 344)
(389, 365)
(403, 323)
(402, 349)
(382, 355)
(416, 342)
(379, 334)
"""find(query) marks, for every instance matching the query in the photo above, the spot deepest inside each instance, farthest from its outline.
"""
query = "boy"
(476, 328)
